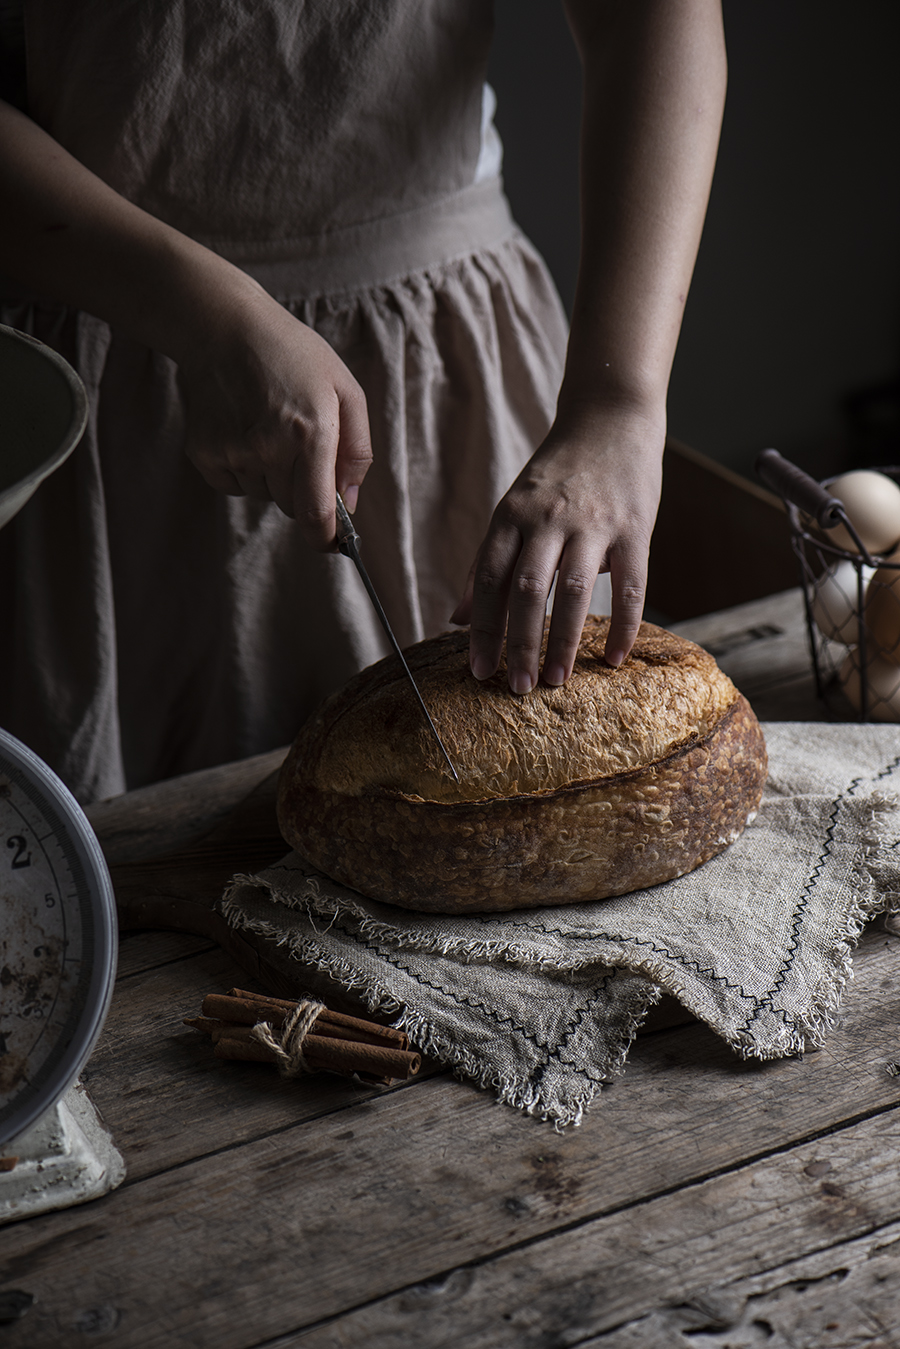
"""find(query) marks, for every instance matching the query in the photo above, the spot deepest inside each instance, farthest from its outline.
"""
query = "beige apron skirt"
(152, 626)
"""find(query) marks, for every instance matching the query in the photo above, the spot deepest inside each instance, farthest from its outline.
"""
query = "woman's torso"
(266, 120)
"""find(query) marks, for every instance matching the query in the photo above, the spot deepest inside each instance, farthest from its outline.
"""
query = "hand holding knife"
(348, 542)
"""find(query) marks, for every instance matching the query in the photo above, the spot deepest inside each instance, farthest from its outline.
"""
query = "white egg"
(883, 611)
(872, 502)
(883, 683)
(835, 600)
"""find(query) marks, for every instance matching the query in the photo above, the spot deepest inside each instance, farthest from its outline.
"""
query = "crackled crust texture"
(619, 780)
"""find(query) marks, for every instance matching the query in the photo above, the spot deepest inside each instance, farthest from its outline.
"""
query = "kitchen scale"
(58, 934)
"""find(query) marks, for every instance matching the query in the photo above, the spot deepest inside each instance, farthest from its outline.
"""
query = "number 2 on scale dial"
(21, 857)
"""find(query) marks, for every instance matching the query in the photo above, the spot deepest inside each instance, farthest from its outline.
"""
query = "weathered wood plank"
(788, 700)
(846, 1297)
(721, 629)
(620, 1268)
(270, 1217)
(161, 1090)
(169, 1101)
(255, 1240)
(272, 1238)
(762, 646)
(179, 890)
(140, 951)
(171, 814)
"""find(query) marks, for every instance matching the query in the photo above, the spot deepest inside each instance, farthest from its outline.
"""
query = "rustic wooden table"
(703, 1202)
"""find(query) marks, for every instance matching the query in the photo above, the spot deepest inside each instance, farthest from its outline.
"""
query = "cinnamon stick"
(350, 1056)
(247, 1011)
(217, 1029)
(230, 1047)
(341, 1056)
(261, 997)
(354, 1023)
(239, 1010)
(338, 1043)
(245, 1048)
(205, 1023)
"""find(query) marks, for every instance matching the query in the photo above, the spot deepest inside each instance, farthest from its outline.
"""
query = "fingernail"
(554, 675)
(520, 682)
(614, 658)
(351, 496)
(481, 667)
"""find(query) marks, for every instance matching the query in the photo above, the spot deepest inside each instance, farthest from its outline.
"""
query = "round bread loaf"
(618, 780)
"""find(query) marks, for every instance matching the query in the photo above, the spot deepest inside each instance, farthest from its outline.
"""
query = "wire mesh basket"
(851, 595)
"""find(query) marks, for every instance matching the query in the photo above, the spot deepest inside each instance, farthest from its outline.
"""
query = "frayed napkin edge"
(807, 1032)
(562, 1111)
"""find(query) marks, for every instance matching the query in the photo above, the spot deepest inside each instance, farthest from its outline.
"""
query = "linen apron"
(331, 149)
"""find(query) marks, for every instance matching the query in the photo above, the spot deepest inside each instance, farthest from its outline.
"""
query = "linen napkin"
(542, 1004)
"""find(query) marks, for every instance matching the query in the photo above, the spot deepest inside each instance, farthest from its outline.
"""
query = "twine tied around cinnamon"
(303, 1036)
(288, 1046)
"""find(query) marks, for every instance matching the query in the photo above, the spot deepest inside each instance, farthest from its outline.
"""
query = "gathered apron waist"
(375, 252)
(371, 253)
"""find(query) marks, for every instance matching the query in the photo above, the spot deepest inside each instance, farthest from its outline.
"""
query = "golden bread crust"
(372, 736)
(619, 780)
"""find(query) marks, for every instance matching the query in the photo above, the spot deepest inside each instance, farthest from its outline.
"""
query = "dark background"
(791, 335)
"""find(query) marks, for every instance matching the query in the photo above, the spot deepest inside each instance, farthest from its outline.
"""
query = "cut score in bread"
(617, 780)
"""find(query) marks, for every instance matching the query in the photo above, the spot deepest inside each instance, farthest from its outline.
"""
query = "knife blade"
(348, 542)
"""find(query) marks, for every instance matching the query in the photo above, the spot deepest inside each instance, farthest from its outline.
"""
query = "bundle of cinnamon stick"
(336, 1043)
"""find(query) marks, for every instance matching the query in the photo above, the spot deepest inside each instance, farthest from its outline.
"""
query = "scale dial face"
(57, 938)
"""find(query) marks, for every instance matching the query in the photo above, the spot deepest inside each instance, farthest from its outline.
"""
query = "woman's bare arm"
(654, 81)
(272, 411)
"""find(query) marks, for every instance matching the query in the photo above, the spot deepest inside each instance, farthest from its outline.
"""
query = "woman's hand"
(654, 87)
(272, 411)
(274, 414)
(585, 503)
